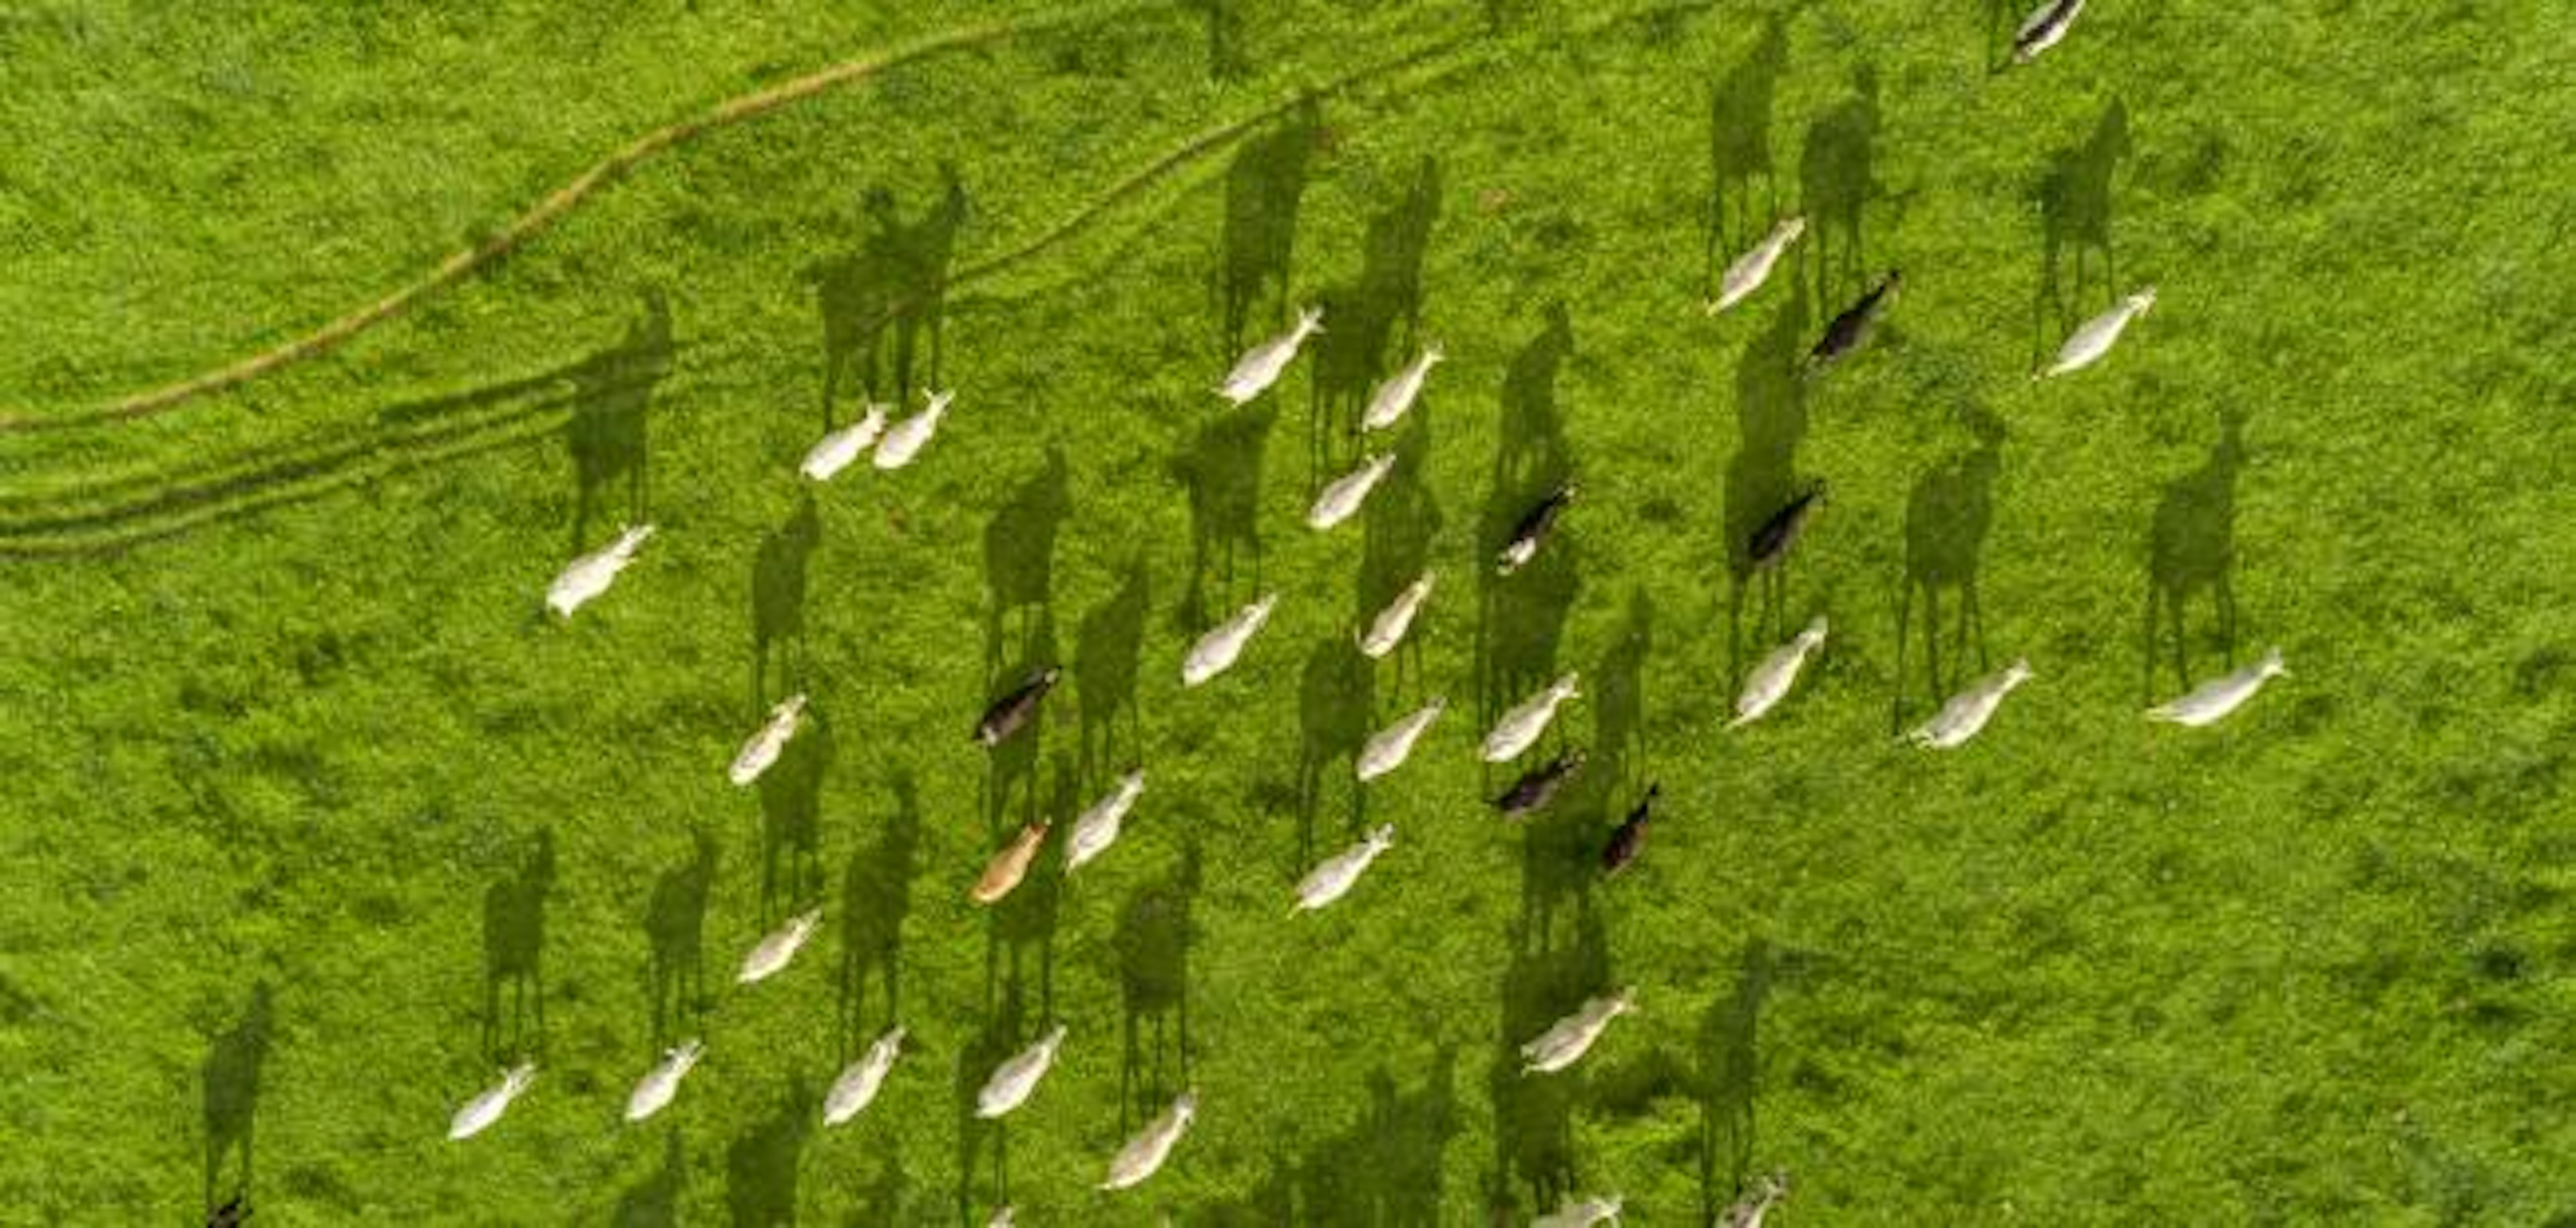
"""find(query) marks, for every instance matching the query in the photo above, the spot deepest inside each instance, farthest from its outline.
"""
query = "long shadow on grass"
(778, 574)
(1946, 519)
(1010, 769)
(400, 433)
(2075, 198)
(1401, 521)
(609, 433)
(791, 819)
(896, 278)
(2191, 549)
(1412, 1131)
(231, 1077)
(1267, 1205)
(1335, 697)
(1106, 649)
(2000, 23)
(1534, 1169)
(1225, 58)
(884, 1201)
(654, 1202)
(1356, 349)
(1521, 617)
(876, 896)
(1730, 1069)
(1221, 469)
(514, 943)
(676, 922)
(1019, 554)
(1837, 181)
(1762, 477)
(761, 1163)
(218, 486)
(1555, 965)
(1386, 1170)
(1024, 922)
(1264, 186)
(1153, 941)
(1005, 1032)
(1739, 148)
(1619, 694)
(1561, 856)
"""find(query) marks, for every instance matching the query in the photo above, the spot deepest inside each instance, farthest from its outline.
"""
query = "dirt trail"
(528, 225)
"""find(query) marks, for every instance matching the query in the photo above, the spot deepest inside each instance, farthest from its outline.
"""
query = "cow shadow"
(1221, 469)
(1386, 1170)
(1153, 940)
(854, 293)
(1410, 1133)
(1005, 1032)
(762, 1162)
(675, 921)
(231, 1085)
(1561, 857)
(514, 943)
(1264, 187)
(1739, 148)
(1762, 476)
(884, 1201)
(609, 430)
(1730, 1068)
(1019, 552)
(1268, 1205)
(895, 279)
(654, 1202)
(1534, 1169)
(1365, 322)
(1106, 648)
(876, 896)
(1837, 180)
(1024, 923)
(1521, 617)
(1619, 695)
(791, 819)
(1947, 516)
(2191, 549)
(1010, 769)
(1506, 15)
(778, 600)
(2000, 25)
(1336, 702)
(2075, 195)
(928, 247)
(1400, 523)
(1225, 55)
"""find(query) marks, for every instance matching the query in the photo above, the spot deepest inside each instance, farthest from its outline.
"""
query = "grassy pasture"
(313, 818)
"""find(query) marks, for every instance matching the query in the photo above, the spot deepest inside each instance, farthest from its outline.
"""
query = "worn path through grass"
(315, 819)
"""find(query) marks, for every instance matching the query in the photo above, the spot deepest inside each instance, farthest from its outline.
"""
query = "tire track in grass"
(314, 471)
(467, 261)
(205, 492)
(63, 500)
(324, 463)
(103, 516)
(1187, 152)
(190, 516)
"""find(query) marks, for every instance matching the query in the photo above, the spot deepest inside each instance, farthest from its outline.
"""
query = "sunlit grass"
(283, 709)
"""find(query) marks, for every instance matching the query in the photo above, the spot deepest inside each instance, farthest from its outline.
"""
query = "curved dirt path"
(465, 262)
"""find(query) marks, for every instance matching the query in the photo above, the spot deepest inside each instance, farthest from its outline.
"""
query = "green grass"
(278, 705)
